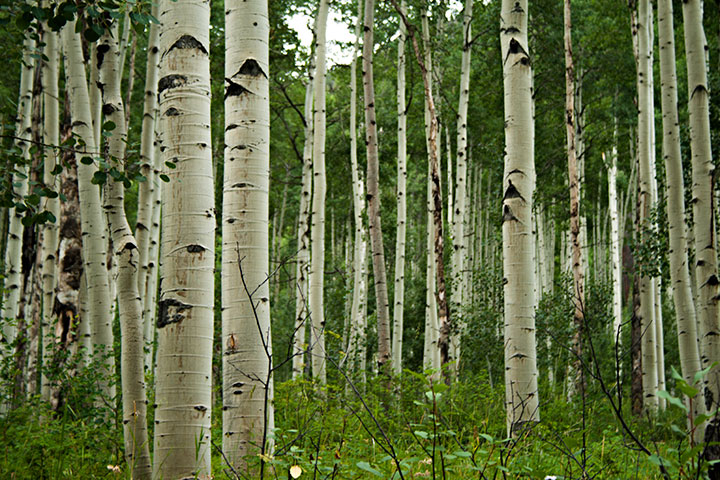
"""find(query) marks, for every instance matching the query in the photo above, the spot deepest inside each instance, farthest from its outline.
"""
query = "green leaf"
(171, 165)
(109, 126)
(57, 170)
(421, 434)
(99, 178)
(164, 178)
(673, 400)
(462, 454)
(86, 160)
(366, 466)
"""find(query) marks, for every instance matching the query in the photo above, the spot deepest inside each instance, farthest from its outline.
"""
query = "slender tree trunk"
(521, 393)
(137, 453)
(646, 200)
(399, 291)
(93, 219)
(458, 219)
(373, 193)
(303, 236)
(358, 320)
(51, 131)
(185, 318)
(146, 189)
(13, 253)
(248, 417)
(706, 271)
(578, 291)
(317, 244)
(616, 280)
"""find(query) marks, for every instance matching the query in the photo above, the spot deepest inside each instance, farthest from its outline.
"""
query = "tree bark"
(248, 417)
(458, 219)
(521, 393)
(317, 243)
(399, 292)
(706, 271)
(373, 193)
(134, 399)
(185, 318)
(93, 219)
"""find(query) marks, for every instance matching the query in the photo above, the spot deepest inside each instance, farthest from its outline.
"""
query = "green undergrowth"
(423, 428)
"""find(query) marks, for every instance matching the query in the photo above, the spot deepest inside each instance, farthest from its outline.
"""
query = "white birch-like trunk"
(146, 189)
(134, 399)
(679, 262)
(185, 318)
(358, 319)
(646, 160)
(248, 417)
(317, 244)
(706, 271)
(399, 293)
(459, 253)
(13, 253)
(93, 219)
(303, 239)
(616, 281)
(432, 328)
(49, 255)
(521, 392)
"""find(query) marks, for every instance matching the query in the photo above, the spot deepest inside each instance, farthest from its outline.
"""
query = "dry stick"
(441, 294)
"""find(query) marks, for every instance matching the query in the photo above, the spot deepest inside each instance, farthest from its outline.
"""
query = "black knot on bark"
(252, 68)
(195, 249)
(171, 81)
(187, 41)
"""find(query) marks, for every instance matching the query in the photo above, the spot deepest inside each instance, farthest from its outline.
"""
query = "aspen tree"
(147, 150)
(137, 452)
(246, 337)
(373, 192)
(317, 244)
(706, 270)
(358, 319)
(185, 318)
(616, 280)
(51, 136)
(151, 287)
(303, 235)
(399, 292)
(13, 253)
(521, 393)
(458, 223)
(646, 161)
(578, 272)
(94, 247)
(431, 356)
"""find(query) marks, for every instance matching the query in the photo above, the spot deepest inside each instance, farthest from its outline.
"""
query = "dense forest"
(475, 240)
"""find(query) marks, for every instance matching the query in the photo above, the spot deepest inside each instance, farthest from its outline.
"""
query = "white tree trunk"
(248, 417)
(134, 399)
(399, 292)
(51, 136)
(185, 318)
(303, 238)
(706, 271)
(317, 244)
(358, 319)
(13, 253)
(146, 189)
(521, 392)
(93, 219)
(646, 161)
(679, 263)
(616, 281)
(459, 253)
